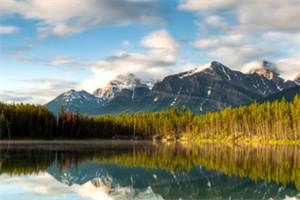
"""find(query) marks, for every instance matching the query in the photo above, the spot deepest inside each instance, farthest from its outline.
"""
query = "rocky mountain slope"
(288, 94)
(76, 101)
(123, 182)
(115, 86)
(201, 90)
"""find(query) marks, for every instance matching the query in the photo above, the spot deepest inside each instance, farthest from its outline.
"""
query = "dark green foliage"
(279, 120)
(26, 121)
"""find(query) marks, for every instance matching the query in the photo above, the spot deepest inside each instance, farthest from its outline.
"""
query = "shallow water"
(145, 170)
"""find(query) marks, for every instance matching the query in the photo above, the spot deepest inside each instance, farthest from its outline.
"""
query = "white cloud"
(89, 191)
(216, 22)
(162, 47)
(159, 58)
(257, 14)
(38, 91)
(67, 61)
(41, 185)
(236, 56)
(8, 29)
(227, 40)
(290, 67)
(233, 49)
(290, 38)
(205, 5)
(254, 65)
(266, 14)
(62, 17)
(243, 31)
(270, 14)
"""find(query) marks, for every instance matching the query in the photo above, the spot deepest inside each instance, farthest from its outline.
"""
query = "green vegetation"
(270, 163)
(273, 122)
(26, 121)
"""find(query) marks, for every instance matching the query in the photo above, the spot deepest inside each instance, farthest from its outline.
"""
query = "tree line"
(278, 120)
(271, 163)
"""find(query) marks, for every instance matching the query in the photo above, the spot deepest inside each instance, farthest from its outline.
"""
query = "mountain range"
(132, 182)
(203, 89)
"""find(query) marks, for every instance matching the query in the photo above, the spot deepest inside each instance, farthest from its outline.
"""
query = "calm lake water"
(144, 170)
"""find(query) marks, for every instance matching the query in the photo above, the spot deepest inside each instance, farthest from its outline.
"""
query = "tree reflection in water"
(269, 163)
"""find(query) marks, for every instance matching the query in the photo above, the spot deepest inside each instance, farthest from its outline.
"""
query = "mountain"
(288, 94)
(214, 88)
(266, 69)
(122, 182)
(203, 89)
(297, 79)
(115, 86)
(73, 101)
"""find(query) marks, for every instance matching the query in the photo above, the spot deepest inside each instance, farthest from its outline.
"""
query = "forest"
(258, 122)
(258, 161)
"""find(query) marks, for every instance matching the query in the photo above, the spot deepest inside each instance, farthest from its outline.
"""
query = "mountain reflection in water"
(145, 170)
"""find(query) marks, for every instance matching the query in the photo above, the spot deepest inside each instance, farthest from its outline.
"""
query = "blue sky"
(48, 47)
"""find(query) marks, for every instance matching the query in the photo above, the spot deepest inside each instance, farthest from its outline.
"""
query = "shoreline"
(146, 141)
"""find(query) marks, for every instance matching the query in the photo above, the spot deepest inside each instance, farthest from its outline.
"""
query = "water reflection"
(142, 170)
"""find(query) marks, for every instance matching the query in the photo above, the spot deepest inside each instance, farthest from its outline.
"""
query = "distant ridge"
(288, 94)
(203, 89)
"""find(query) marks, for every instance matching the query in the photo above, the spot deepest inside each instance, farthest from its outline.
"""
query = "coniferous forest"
(269, 121)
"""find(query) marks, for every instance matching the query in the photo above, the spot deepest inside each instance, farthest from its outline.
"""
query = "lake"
(145, 170)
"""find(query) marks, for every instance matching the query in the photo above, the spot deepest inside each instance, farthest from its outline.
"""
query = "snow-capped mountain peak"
(75, 100)
(264, 68)
(72, 95)
(196, 70)
(206, 88)
(128, 81)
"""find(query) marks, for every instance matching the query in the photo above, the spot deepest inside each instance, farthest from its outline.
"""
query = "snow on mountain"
(264, 68)
(82, 96)
(195, 71)
(206, 88)
(150, 83)
(297, 79)
(115, 86)
(216, 86)
(73, 100)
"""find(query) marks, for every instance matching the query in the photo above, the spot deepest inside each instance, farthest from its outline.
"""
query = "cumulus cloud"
(236, 56)
(290, 67)
(158, 59)
(248, 30)
(227, 40)
(8, 29)
(216, 21)
(38, 91)
(267, 14)
(63, 17)
(211, 5)
(254, 65)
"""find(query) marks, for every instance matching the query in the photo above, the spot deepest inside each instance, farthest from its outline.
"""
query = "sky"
(50, 46)
(44, 186)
